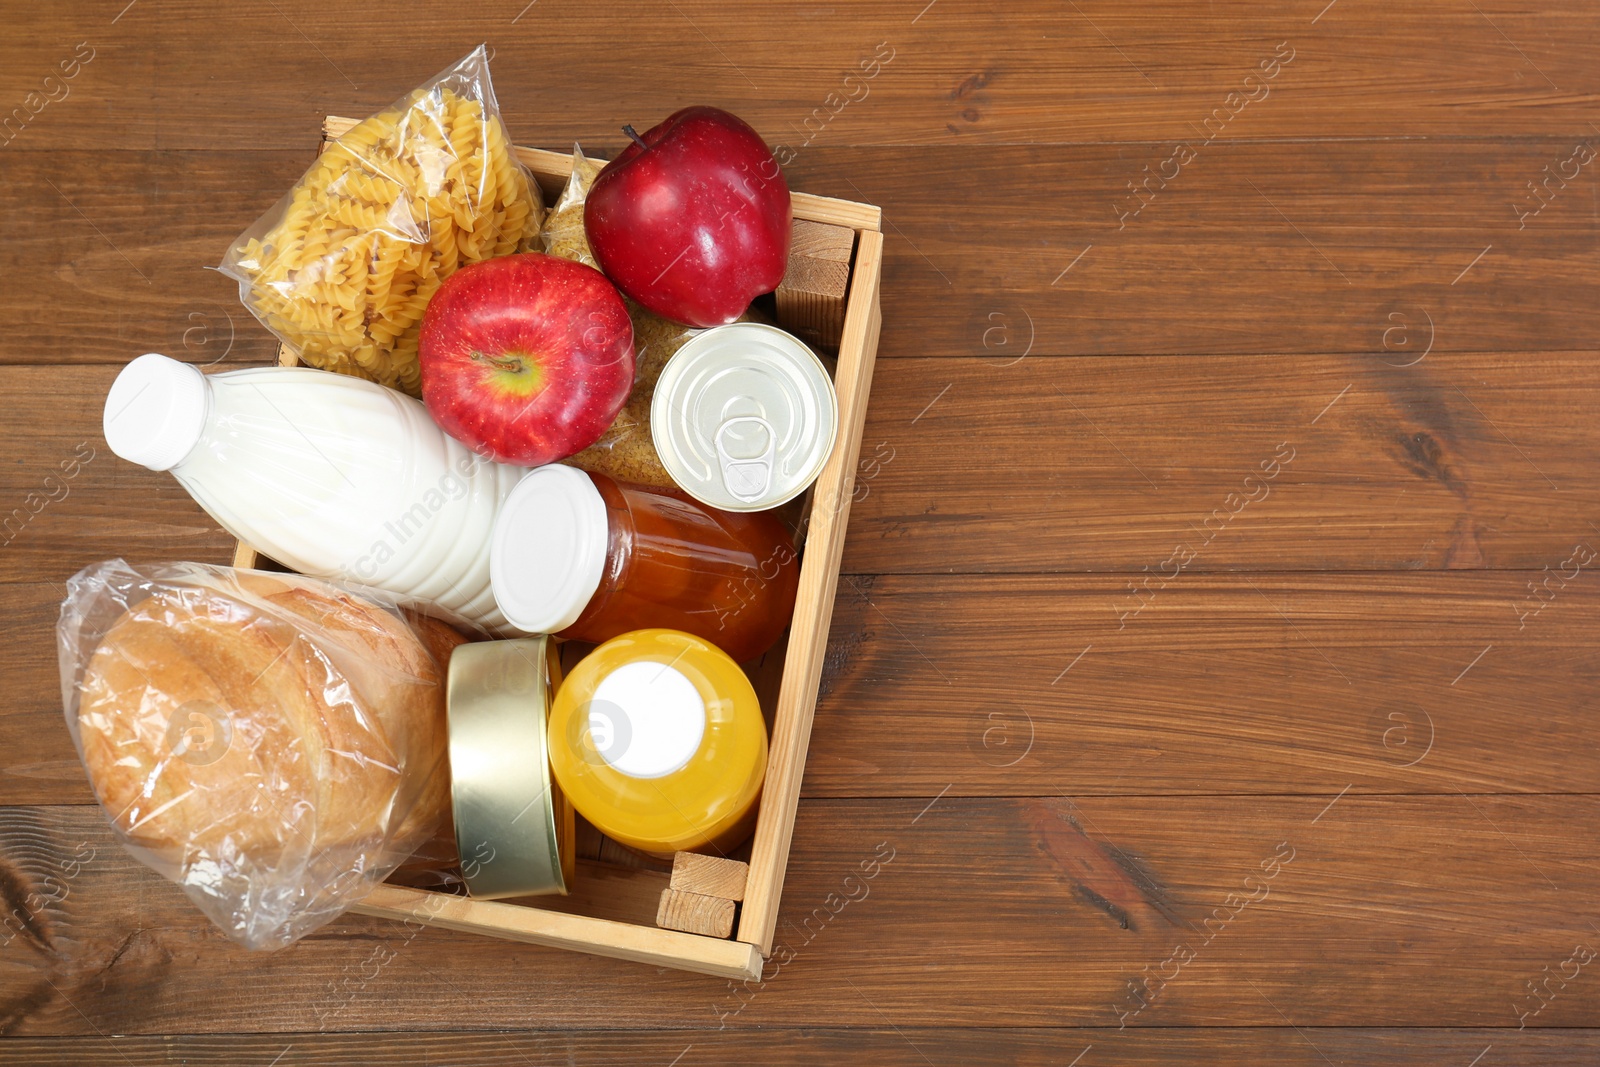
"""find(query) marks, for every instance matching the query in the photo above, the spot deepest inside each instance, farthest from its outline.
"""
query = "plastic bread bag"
(271, 743)
(625, 451)
(343, 266)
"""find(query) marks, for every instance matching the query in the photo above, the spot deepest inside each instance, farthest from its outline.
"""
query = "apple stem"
(509, 362)
(634, 136)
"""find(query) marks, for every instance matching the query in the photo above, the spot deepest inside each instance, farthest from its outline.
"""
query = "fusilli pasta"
(371, 230)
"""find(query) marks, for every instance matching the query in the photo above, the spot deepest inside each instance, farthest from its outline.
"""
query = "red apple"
(526, 359)
(692, 219)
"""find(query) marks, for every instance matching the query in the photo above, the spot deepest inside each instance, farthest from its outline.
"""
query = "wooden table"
(1216, 652)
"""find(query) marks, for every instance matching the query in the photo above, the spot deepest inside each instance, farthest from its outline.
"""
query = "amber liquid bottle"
(583, 556)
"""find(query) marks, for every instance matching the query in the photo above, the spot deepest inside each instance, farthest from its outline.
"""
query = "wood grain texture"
(1351, 664)
(607, 891)
(1291, 248)
(1060, 912)
(1249, 684)
(632, 942)
(811, 297)
(712, 876)
(899, 1047)
(1422, 683)
(959, 72)
(694, 913)
(807, 643)
(1332, 463)
(1462, 461)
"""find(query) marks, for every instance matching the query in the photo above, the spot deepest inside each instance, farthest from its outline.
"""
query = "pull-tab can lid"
(744, 417)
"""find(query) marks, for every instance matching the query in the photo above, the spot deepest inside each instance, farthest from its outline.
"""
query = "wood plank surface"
(880, 1045)
(1248, 684)
(1059, 911)
(1211, 678)
(1461, 461)
(1091, 71)
(639, 943)
(901, 1047)
(1249, 250)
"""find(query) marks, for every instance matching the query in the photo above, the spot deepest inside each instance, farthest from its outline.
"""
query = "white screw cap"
(156, 411)
(548, 549)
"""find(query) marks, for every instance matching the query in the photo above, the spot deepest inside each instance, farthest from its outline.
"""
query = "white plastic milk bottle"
(330, 475)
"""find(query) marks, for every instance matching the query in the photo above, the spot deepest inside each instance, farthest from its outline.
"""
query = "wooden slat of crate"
(819, 576)
(603, 937)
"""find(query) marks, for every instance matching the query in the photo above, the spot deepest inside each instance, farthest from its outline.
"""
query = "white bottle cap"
(155, 411)
(650, 718)
(548, 549)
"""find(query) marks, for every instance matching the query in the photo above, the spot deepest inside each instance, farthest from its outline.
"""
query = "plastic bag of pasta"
(343, 267)
(625, 451)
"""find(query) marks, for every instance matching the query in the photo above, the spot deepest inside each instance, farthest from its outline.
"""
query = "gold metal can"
(514, 827)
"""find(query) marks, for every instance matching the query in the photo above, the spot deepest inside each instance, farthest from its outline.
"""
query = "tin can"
(514, 827)
(744, 417)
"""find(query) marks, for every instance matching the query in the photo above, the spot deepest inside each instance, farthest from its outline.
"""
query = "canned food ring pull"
(746, 477)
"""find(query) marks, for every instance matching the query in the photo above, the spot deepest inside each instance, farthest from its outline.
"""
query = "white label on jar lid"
(646, 719)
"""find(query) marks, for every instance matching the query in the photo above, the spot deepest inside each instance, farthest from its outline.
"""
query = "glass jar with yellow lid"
(657, 739)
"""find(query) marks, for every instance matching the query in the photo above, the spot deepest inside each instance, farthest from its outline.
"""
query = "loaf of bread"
(272, 743)
(436, 862)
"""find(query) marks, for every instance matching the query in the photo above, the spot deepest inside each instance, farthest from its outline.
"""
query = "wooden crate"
(611, 912)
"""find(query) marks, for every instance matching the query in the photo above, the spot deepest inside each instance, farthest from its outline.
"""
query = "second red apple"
(692, 219)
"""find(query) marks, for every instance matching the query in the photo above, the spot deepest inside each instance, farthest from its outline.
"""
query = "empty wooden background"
(1216, 652)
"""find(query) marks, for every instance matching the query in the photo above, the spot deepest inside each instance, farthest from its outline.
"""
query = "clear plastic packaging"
(271, 743)
(563, 233)
(343, 267)
(625, 451)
